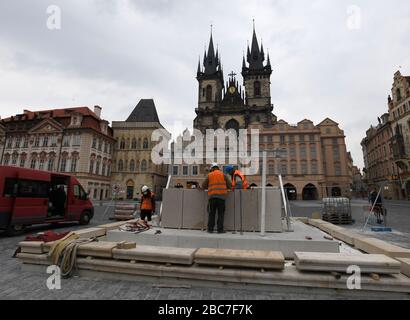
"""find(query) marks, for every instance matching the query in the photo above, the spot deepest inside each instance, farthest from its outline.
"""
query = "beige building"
(133, 166)
(2, 138)
(380, 169)
(399, 111)
(312, 159)
(72, 140)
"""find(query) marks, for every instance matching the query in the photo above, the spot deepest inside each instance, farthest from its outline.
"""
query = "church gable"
(328, 123)
(47, 126)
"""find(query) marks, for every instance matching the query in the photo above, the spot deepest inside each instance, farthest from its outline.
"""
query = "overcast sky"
(329, 58)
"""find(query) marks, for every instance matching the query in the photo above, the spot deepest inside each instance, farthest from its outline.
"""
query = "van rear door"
(31, 201)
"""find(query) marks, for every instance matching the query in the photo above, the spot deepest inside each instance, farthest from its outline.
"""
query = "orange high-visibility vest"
(147, 202)
(217, 183)
(239, 174)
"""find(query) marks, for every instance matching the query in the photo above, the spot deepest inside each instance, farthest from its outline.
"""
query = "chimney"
(97, 111)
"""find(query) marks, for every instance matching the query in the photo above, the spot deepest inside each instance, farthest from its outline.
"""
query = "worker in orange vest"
(238, 178)
(147, 203)
(218, 185)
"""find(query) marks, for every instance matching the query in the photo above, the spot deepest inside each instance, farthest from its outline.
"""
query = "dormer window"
(398, 94)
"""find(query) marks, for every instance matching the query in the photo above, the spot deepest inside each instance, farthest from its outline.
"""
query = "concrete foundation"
(188, 209)
(288, 243)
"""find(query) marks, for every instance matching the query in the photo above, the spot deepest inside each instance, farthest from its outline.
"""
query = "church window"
(209, 93)
(257, 88)
(143, 165)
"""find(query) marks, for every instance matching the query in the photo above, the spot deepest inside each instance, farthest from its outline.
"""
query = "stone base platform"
(287, 243)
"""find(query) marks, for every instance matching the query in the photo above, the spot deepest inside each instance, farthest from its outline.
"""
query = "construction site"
(265, 247)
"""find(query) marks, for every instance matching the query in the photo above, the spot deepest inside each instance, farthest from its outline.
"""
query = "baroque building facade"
(312, 159)
(73, 140)
(133, 165)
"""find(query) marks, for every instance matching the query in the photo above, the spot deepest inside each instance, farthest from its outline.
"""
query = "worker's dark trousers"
(146, 214)
(216, 205)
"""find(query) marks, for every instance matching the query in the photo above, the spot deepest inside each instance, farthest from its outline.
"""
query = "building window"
(185, 170)
(74, 161)
(303, 151)
(314, 167)
(313, 153)
(50, 166)
(338, 169)
(22, 161)
(293, 168)
(291, 138)
(94, 145)
(336, 154)
(63, 165)
(292, 152)
(301, 137)
(328, 131)
(284, 168)
(97, 167)
(175, 170)
(25, 143)
(37, 141)
(398, 94)
(132, 165)
(108, 170)
(10, 143)
(77, 140)
(195, 170)
(282, 139)
(99, 145)
(143, 166)
(312, 138)
(270, 138)
(257, 88)
(41, 164)
(104, 168)
(304, 168)
(91, 168)
(66, 141)
(120, 165)
(209, 93)
(134, 143)
(122, 144)
(53, 141)
(33, 163)
(45, 141)
(14, 159)
(271, 169)
(18, 141)
(145, 144)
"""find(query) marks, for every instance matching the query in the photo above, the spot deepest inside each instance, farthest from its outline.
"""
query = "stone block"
(240, 258)
(172, 208)
(376, 246)
(31, 247)
(101, 249)
(339, 262)
(405, 266)
(90, 232)
(30, 258)
(112, 226)
(171, 255)
(194, 209)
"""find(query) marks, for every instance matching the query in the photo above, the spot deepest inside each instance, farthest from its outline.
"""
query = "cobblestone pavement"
(18, 284)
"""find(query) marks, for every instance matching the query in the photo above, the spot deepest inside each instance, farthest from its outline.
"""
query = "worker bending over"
(238, 178)
(218, 185)
(147, 203)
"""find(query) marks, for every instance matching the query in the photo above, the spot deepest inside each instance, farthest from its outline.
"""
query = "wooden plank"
(339, 262)
(90, 232)
(30, 258)
(240, 258)
(156, 254)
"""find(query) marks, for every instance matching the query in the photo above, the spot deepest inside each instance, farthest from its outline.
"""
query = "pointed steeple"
(255, 57)
(199, 66)
(211, 62)
(268, 65)
(243, 62)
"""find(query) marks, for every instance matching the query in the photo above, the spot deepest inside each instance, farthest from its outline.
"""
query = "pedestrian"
(218, 185)
(147, 204)
(239, 181)
(376, 200)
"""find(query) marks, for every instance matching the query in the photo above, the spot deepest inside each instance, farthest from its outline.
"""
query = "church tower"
(256, 75)
(210, 79)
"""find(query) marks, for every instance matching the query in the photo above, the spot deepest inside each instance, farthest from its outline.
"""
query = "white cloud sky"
(113, 53)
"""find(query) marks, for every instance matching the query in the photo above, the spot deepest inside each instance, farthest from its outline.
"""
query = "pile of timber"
(124, 212)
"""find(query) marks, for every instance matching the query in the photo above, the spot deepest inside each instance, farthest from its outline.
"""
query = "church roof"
(145, 111)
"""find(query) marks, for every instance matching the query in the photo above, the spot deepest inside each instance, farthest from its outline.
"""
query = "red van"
(30, 197)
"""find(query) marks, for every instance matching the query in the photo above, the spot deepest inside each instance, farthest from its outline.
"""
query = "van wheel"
(85, 218)
(14, 230)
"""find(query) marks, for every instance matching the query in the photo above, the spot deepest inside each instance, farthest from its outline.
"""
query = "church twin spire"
(211, 62)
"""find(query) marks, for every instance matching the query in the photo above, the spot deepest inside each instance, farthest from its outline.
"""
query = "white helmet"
(144, 189)
(214, 165)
